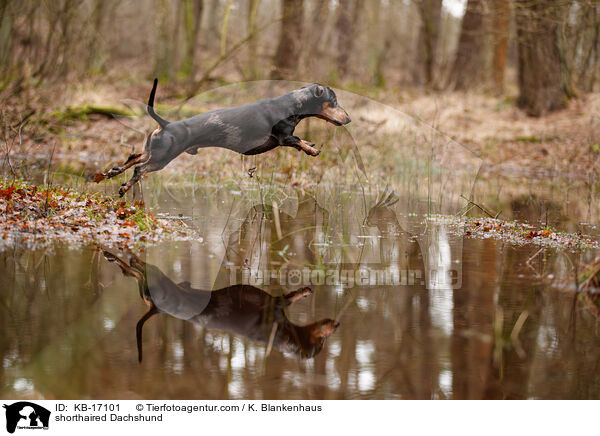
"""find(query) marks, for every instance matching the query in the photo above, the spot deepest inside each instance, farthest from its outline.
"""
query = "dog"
(239, 309)
(249, 129)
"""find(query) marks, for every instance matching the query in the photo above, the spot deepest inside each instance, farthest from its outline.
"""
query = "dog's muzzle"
(335, 115)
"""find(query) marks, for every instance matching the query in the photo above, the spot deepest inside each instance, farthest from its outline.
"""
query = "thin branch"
(484, 210)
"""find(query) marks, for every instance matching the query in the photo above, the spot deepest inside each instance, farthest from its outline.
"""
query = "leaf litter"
(36, 216)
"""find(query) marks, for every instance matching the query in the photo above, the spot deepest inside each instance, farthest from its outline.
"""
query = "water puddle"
(342, 294)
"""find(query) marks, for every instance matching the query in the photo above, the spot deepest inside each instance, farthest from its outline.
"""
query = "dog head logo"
(26, 415)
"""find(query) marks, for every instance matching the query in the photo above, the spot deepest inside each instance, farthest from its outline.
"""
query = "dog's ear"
(318, 91)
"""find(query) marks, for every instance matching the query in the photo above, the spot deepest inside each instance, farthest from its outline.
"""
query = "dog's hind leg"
(133, 159)
(138, 173)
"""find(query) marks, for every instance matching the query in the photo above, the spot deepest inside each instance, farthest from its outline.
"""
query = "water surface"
(428, 312)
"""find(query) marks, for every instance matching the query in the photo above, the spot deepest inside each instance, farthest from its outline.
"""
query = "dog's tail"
(162, 122)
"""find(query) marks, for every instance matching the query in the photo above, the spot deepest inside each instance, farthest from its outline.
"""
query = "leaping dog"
(249, 129)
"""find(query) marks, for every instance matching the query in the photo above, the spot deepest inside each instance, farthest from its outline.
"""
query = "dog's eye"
(319, 90)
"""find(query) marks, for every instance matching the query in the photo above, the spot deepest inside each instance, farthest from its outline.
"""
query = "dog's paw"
(304, 292)
(98, 177)
(298, 294)
(310, 150)
(109, 256)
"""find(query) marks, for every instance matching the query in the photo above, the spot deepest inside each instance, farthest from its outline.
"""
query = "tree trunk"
(290, 41)
(589, 23)
(544, 78)
(6, 32)
(253, 42)
(192, 20)
(163, 65)
(501, 26)
(468, 63)
(213, 22)
(316, 35)
(430, 12)
(347, 20)
(96, 55)
(176, 42)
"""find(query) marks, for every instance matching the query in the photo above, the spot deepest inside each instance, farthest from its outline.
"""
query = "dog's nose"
(347, 117)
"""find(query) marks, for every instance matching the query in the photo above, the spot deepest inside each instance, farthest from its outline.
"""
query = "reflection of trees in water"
(67, 321)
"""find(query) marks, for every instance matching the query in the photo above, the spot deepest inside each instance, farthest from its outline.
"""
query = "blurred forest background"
(517, 81)
(549, 49)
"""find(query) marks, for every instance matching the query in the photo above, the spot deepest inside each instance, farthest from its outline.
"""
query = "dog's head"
(307, 341)
(322, 102)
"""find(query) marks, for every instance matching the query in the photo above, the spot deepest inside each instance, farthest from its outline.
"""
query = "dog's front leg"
(301, 144)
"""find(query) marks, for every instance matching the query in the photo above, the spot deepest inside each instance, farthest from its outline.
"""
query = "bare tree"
(96, 53)
(430, 13)
(500, 29)
(212, 12)
(384, 18)
(316, 36)
(585, 43)
(347, 19)
(6, 33)
(544, 77)
(468, 63)
(192, 19)
(163, 62)
(290, 40)
(252, 42)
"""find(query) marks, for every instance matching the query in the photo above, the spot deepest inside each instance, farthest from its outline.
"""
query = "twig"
(585, 285)
(343, 309)
(276, 218)
(484, 210)
(528, 263)
(24, 119)
(271, 338)
(468, 208)
(514, 335)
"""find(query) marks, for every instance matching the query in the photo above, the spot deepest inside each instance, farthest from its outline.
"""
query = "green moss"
(529, 139)
(170, 111)
(81, 113)
(506, 102)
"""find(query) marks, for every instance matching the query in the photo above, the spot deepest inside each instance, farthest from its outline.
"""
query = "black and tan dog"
(250, 129)
(239, 309)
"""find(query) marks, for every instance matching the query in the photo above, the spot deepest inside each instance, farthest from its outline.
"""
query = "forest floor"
(565, 142)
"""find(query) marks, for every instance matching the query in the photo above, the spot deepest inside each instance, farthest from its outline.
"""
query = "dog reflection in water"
(239, 309)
